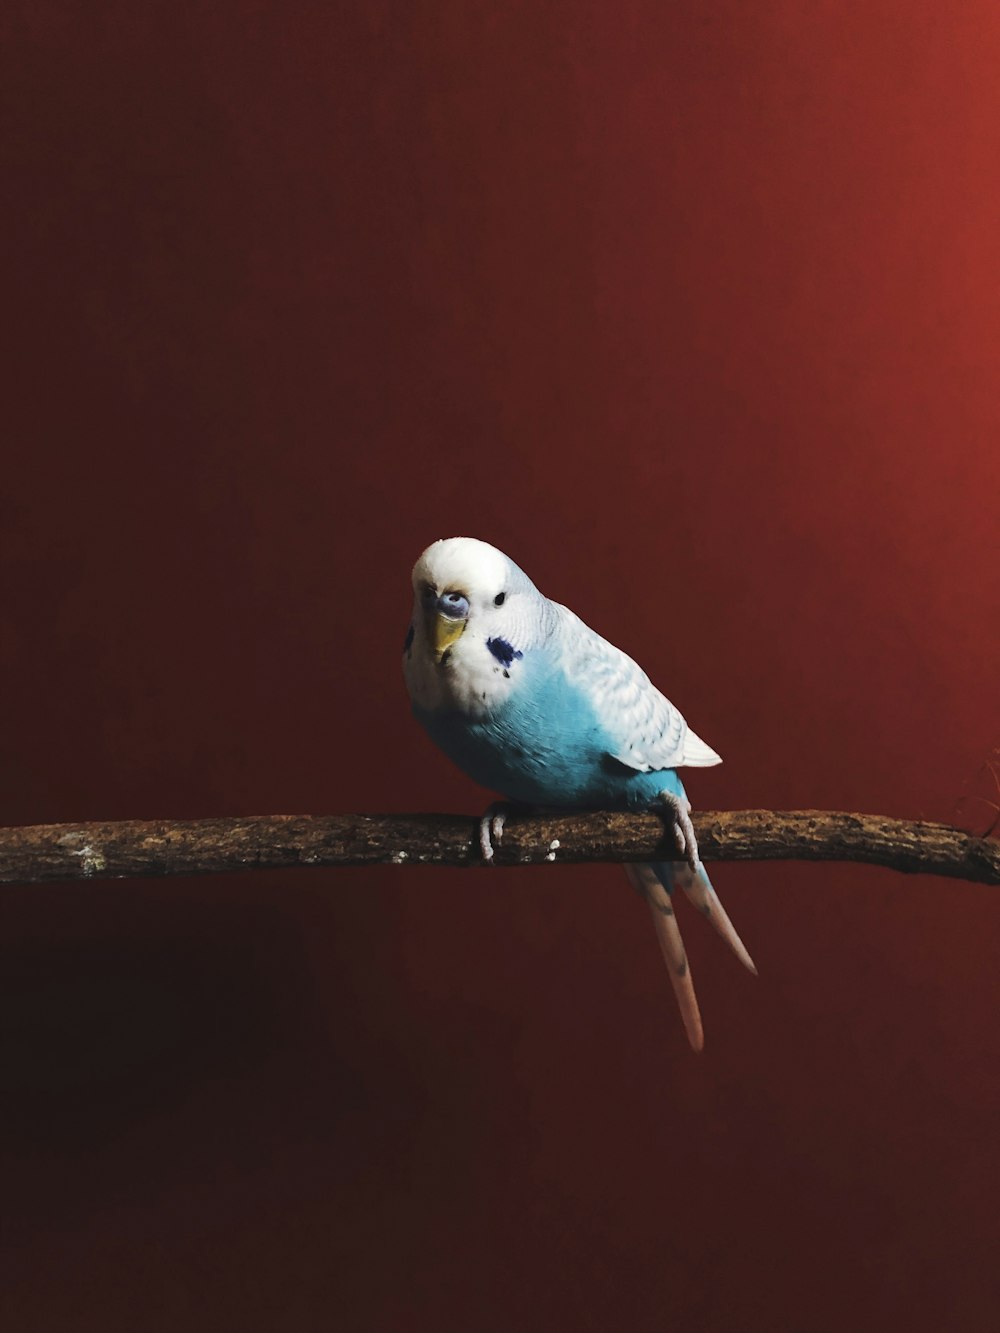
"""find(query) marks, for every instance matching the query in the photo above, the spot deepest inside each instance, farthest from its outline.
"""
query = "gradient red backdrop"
(692, 308)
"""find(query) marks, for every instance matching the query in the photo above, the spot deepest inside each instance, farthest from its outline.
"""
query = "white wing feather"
(647, 732)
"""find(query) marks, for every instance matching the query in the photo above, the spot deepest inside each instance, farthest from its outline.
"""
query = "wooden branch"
(44, 853)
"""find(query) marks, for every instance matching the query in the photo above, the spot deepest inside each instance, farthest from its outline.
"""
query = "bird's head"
(461, 584)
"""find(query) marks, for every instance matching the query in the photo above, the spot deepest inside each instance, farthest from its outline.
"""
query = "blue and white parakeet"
(531, 703)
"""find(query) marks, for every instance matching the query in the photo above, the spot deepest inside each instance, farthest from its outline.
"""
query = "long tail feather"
(656, 883)
(645, 880)
(700, 891)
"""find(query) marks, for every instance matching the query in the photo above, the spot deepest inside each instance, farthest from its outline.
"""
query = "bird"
(534, 705)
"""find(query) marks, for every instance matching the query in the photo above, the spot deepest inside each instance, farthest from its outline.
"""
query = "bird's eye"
(499, 599)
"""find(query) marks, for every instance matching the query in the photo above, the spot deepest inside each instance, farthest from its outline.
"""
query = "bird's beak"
(442, 632)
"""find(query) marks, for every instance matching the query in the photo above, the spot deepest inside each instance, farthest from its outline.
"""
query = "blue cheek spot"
(409, 640)
(503, 651)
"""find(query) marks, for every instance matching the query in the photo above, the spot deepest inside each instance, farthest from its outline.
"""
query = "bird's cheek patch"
(504, 652)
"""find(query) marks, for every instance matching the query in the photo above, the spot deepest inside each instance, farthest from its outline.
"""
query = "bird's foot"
(491, 829)
(684, 834)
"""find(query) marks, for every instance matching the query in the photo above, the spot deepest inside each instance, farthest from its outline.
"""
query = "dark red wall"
(693, 308)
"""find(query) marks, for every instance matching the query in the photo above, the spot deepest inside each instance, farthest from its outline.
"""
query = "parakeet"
(533, 704)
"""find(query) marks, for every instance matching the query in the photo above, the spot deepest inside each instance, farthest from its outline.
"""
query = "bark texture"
(46, 853)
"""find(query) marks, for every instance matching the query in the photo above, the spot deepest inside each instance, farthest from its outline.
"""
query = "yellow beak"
(442, 632)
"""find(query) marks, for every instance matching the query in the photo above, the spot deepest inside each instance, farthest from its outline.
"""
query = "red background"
(691, 308)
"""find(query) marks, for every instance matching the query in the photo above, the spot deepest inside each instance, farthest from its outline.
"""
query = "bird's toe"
(684, 834)
(491, 830)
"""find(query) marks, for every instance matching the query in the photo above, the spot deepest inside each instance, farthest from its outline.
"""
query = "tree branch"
(45, 853)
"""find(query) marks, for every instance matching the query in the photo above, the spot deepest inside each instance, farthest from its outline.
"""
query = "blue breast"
(545, 746)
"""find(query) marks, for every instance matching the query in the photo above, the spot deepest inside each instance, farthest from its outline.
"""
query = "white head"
(471, 604)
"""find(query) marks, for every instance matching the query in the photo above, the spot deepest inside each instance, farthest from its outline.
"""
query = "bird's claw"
(491, 830)
(684, 834)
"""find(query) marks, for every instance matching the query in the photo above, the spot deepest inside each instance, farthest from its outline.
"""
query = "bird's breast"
(542, 744)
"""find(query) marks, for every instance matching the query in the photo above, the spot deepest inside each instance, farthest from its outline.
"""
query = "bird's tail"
(656, 882)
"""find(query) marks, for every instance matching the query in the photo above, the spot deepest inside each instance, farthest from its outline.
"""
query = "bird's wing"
(645, 730)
